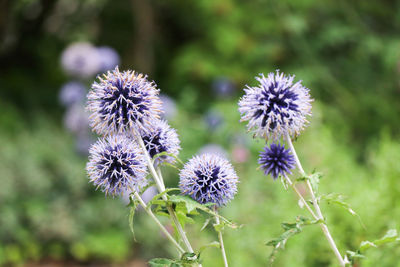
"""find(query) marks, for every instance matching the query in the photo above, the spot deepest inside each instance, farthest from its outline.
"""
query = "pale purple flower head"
(122, 101)
(275, 107)
(209, 178)
(116, 164)
(159, 137)
(223, 87)
(76, 119)
(108, 58)
(168, 106)
(80, 60)
(72, 93)
(213, 149)
(276, 160)
(213, 120)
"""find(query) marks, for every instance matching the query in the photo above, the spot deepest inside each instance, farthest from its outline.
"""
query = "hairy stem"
(151, 214)
(323, 225)
(221, 241)
(161, 188)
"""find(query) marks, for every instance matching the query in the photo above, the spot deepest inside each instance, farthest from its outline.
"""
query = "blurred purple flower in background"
(72, 93)
(169, 107)
(213, 120)
(223, 87)
(108, 58)
(83, 142)
(81, 60)
(213, 149)
(76, 120)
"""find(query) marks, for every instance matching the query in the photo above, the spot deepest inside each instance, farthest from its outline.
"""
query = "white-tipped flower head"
(120, 101)
(159, 137)
(209, 178)
(275, 107)
(116, 164)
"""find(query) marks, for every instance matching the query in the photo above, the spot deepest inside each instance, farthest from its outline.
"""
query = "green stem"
(161, 188)
(323, 225)
(221, 241)
(151, 214)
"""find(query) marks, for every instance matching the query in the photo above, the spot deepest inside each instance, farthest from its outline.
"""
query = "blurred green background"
(201, 54)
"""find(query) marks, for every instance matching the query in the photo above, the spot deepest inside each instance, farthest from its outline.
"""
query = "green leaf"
(134, 203)
(339, 200)
(214, 244)
(314, 180)
(160, 262)
(163, 154)
(391, 236)
(205, 224)
(291, 229)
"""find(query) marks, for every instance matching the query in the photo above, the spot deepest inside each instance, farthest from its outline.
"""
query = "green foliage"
(291, 229)
(390, 237)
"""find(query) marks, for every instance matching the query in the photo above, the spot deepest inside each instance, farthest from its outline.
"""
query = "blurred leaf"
(338, 199)
(134, 203)
(314, 180)
(291, 229)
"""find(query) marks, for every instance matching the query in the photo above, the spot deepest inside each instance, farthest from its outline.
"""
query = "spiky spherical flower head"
(209, 178)
(121, 101)
(116, 164)
(276, 160)
(159, 137)
(275, 107)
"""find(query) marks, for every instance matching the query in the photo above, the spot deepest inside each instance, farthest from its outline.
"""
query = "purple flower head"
(121, 101)
(209, 178)
(116, 164)
(213, 120)
(168, 106)
(159, 137)
(213, 149)
(223, 87)
(108, 58)
(72, 93)
(80, 60)
(276, 106)
(76, 119)
(276, 160)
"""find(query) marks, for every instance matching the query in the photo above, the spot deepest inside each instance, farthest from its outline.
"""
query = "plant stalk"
(221, 241)
(165, 231)
(161, 188)
(323, 225)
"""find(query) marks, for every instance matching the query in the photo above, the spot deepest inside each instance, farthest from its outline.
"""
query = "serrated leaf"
(134, 203)
(291, 229)
(214, 244)
(160, 262)
(338, 199)
(366, 245)
(390, 236)
(166, 154)
(314, 180)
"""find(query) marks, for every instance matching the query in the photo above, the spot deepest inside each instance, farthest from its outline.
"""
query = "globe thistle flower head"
(72, 93)
(80, 60)
(276, 160)
(209, 178)
(122, 101)
(116, 164)
(108, 58)
(159, 137)
(275, 107)
(168, 107)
